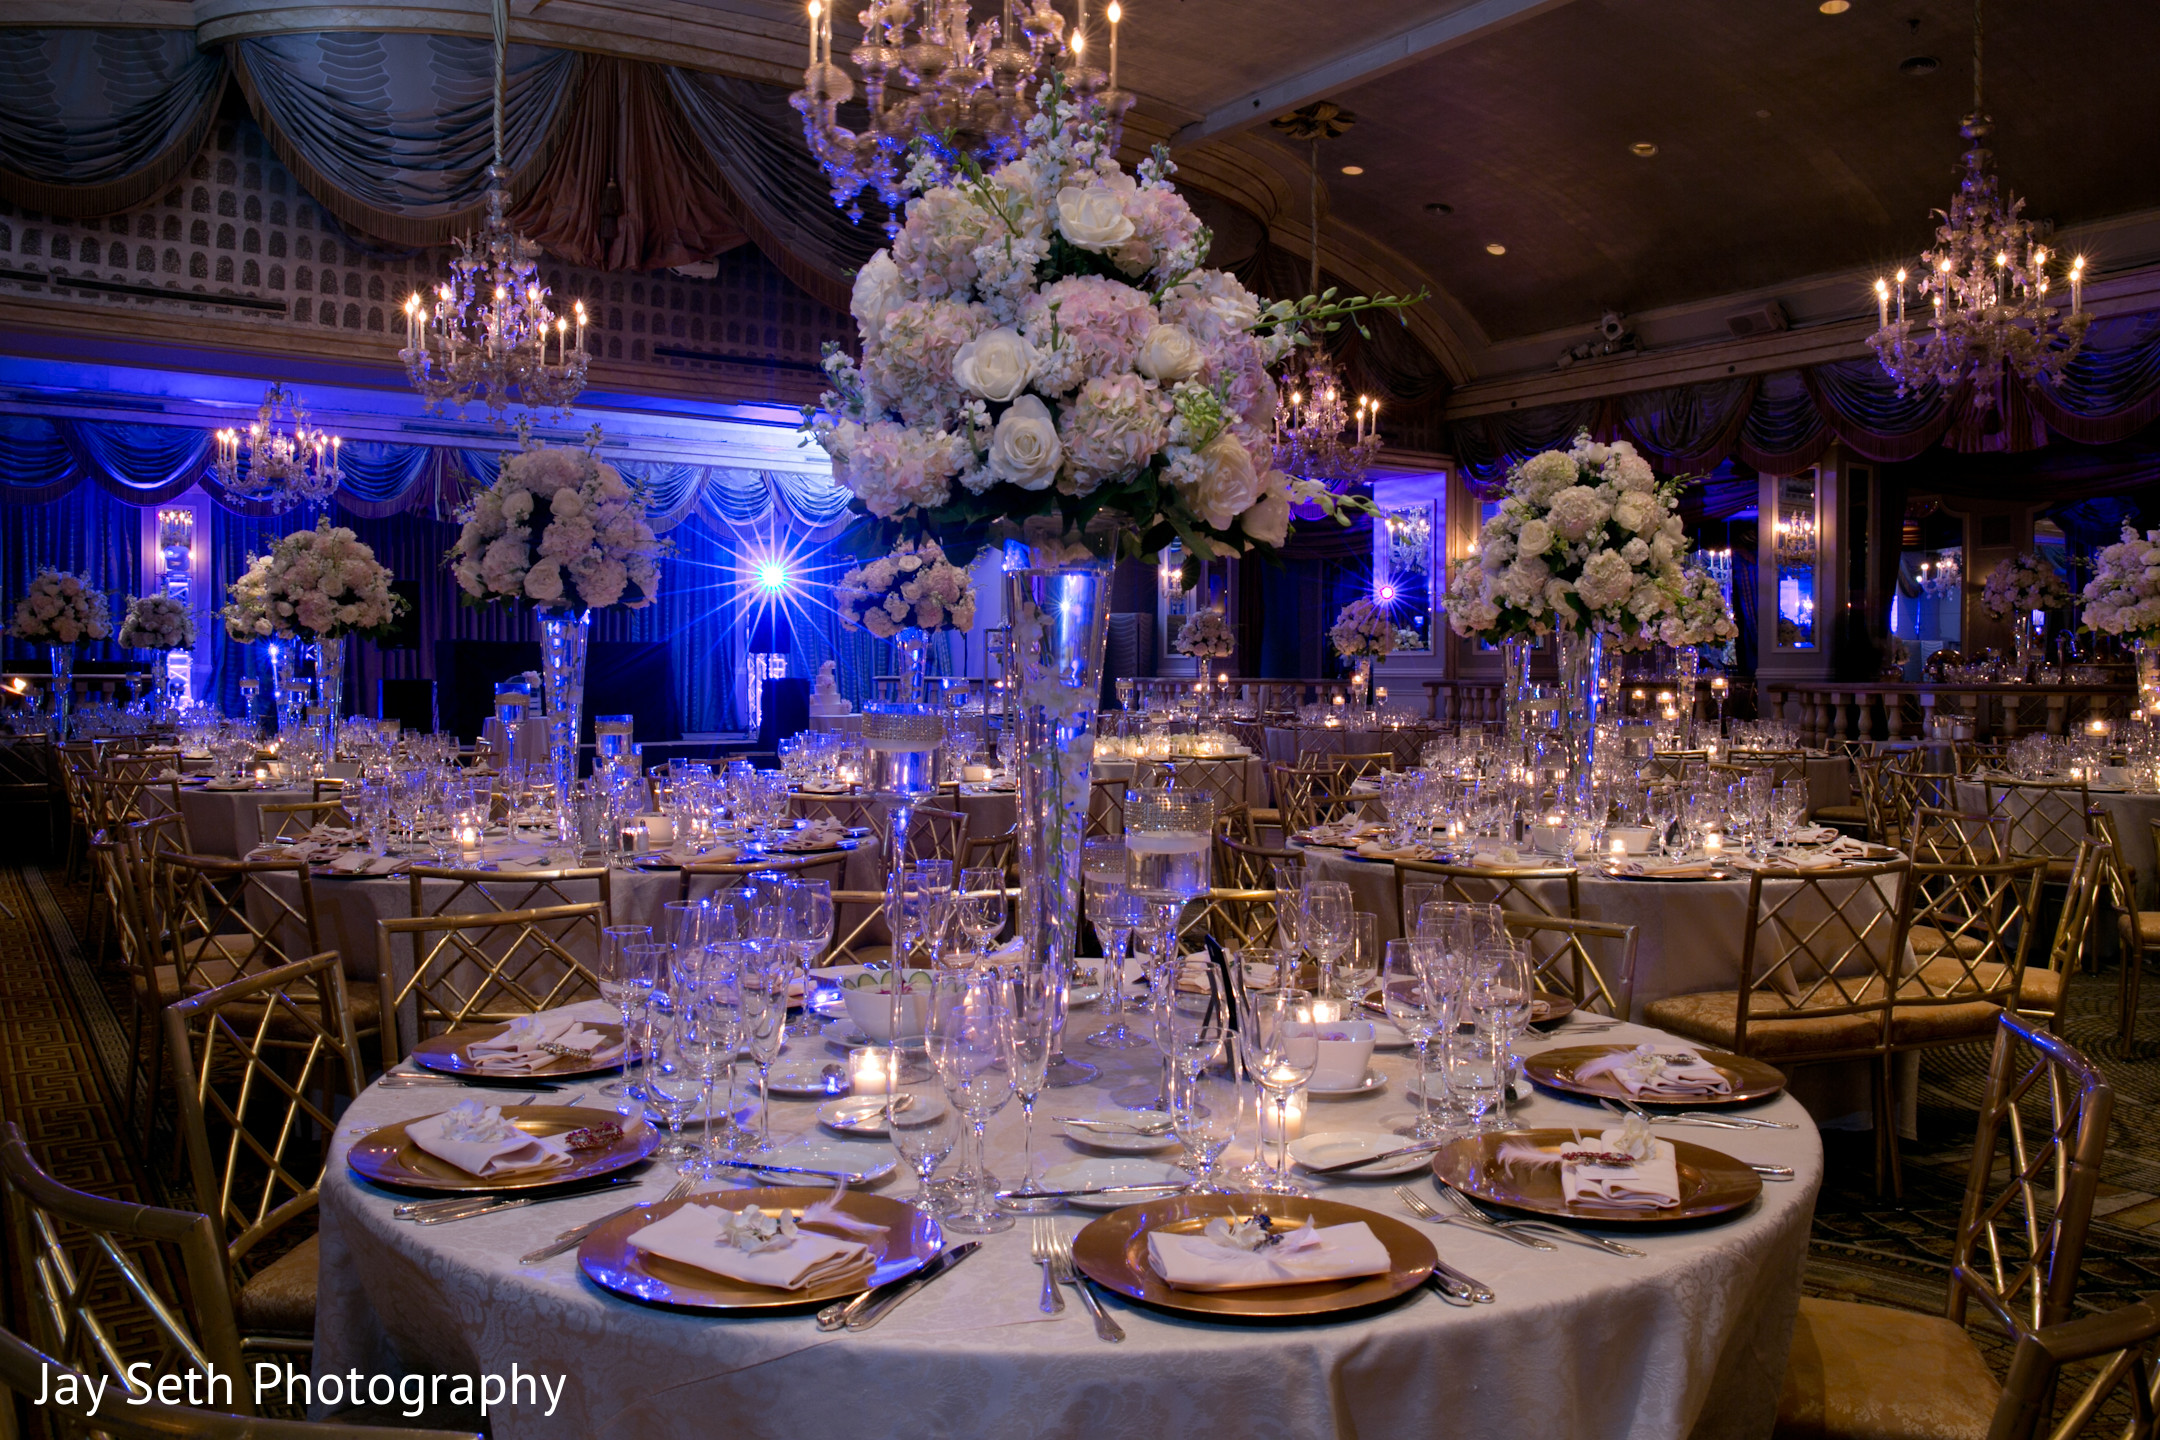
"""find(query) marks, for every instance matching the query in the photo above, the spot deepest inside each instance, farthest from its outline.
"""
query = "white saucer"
(1373, 1082)
(1094, 1172)
(1339, 1147)
(1122, 1144)
(873, 1161)
(802, 1079)
(865, 1114)
(845, 1033)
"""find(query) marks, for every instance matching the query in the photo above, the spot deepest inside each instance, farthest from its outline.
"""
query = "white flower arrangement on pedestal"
(2123, 597)
(913, 586)
(2023, 585)
(61, 608)
(320, 584)
(1701, 615)
(1206, 635)
(1362, 629)
(1587, 539)
(1042, 341)
(594, 548)
(157, 622)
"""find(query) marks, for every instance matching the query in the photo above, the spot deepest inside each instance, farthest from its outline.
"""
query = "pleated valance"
(42, 459)
(1783, 422)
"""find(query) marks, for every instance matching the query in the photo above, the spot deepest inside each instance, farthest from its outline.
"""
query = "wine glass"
(673, 1079)
(1324, 925)
(1360, 966)
(1206, 1105)
(924, 1126)
(1113, 909)
(624, 981)
(981, 908)
(806, 926)
(1030, 1001)
(1283, 1040)
(1289, 898)
(764, 980)
(708, 983)
(1407, 999)
(1788, 809)
(966, 1035)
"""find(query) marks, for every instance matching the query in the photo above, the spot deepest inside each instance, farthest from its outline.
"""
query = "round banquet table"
(227, 822)
(2133, 811)
(1288, 744)
(992, 810)
(1690, 1341)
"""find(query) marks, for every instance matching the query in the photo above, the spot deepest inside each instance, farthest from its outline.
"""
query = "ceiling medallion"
(487, 333)
(1987, 285)
(279, 461)
(930, 74)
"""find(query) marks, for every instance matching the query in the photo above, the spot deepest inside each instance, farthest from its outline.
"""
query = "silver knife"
(1395, 1154)
(1476, 1290)
(1165, 1188)
(877, 1309)
(848, 1175)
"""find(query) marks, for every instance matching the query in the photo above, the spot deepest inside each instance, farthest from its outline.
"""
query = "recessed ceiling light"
(1643, 148)
(1919, 65)
(1353, 169)
(1834, 7)
(1496, 248)
(1438, 207)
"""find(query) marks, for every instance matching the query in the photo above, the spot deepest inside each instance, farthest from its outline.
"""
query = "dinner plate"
(843, 1032)
(869, 1159)
(1711, 1183)
(801, 1079)
(865, 1114)
(1113, 1253)
(1548, 1009)
(388, 1156)
(1101, 1171)
(1373, 1082)
(1340, 1147)
(911, 1240)
(1123, 1144)
(448, 1053)
(1555, 1070)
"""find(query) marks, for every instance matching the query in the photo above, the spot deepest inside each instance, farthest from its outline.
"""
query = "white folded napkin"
(1306, 1256)
(522, 857)
(477, 1140)
(359, 862)
(1649, 1070)
(228, 785)
(517, 1050)
(1652, 1183)
(698, 1236)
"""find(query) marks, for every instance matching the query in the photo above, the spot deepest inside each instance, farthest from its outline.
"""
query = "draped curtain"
(93, 121)
(87, 532)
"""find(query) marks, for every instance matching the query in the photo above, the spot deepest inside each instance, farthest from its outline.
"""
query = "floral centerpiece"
(914, 587)
(1046, 359)
(314, 585)
(565, 531)
(1700, 614)
(61, 608)
(1206, 635)
(2019, 586)
(157, 622)
(2123, 597)
(1362, 630)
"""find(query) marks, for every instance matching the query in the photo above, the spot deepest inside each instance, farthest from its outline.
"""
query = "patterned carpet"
(63, 1065)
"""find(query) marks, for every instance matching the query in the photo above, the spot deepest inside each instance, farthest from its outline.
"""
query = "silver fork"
(576, 1234)
(1535, 1228)
(1425, 1211)
(1042, 1243)
(1061, 1257)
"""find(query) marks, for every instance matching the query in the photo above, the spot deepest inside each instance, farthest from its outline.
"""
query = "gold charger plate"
(389, 1157)
(1711, 1183)
(1113, 1253)
(1557, 1009)
(610, 1261)
(1750, 1079)
(447, 1053)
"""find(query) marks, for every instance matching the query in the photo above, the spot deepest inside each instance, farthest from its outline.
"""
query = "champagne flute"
(1408, 1002)
(764, 984)
(621, 981)
(1113, 909)
(806, 925)
(982, 908)
(1360, 967)
(706, 977)
(965, 1033)
(1324, 924)
(1030, 1001)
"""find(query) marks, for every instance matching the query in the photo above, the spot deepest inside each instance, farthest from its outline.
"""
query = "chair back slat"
(1821, 946)
(2113, 1350)
(1241, 919)
(471, 969)
(228, 918)
(1561, 950)
(2047, 818)
(1938, 836)
(499, 892)
(1971, 931)
(1514, 888)
(282, 824)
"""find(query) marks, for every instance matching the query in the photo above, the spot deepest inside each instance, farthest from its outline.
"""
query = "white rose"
(879, 287)
(1024, 449)
(1168, 355)
(1094, 218)
(1268, 521)
(544, 582)
(995, 365)
(1228, 484)
(1536, 537)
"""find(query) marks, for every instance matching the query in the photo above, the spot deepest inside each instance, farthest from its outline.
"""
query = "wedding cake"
(826, 699)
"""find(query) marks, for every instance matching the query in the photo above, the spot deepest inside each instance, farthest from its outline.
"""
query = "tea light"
(1327, 1012)
(2097, 728)
(659, 830)
(975, 774)
(262, 772)
(1222, 677)
(1712, 842)
(632, 838)
(468, 837)
(1284, 1121)
(869, 1070)
(1618, 846)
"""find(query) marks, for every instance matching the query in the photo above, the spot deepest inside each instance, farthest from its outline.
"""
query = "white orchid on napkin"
(1628, 1167)
(477, 1139)
(1648, 1070)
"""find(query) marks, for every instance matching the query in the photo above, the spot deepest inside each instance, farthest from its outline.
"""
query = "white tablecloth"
(1288, 744)
(1689, 1342)
(2054, 829)
(227, 822)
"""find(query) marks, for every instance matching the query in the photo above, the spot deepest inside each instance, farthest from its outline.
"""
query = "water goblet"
(924, 1127)
(1207, 1105)
(1325, 926)
(981, 908)
(1282, 1036)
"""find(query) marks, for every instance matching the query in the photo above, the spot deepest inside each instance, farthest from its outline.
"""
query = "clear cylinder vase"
(330, 684)
(2148, 675)
(1361, 691)
(1687, 660)
(1059, 608)
(1515, 681)
(1581, 656)
(911, 648)
(285, 692)
(62, 660)
(2026, 643)
(161, 704)
(564, 636)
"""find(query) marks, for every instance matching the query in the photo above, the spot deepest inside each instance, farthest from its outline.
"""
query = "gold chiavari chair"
(477, 969)
(1871, 1371)
(1679, 766)
(1349, 767)
(2048, 819)
(97, 1272)
(1240, 919)
(1223, 779)
(847, 810)
(1106, 809)
(139, 924)
(2043, 989)
(726, 874)
(935, 834)
(1949, 837)
(1001, 852)
(1308, 797)
(1786, 767)
(498, 892)
(1561, 950)
(2115, 1349)
(1971, 930)
(1906, 787)
(1874, 799)
(262, 1065)
(2138, 927)
(228, 918)
(1247, 866)
(29, 1372)
(327, 788)
(859, 933)
(1514, 888)
(78, 775)
(284, 824)
(119, 800)
(1975, 756)
(1819, 969)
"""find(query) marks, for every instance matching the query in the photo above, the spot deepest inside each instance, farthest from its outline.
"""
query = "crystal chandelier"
(487, 333)
(1986, 282)
(279, 461)
(969, 89)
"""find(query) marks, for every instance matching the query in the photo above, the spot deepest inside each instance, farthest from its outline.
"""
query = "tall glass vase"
(911, 647)
(286, 693)
(1688, 661)
(2027, 644)
(160, 684)
(564, 636)
(1515, 681)
(330, 684)
(62, 658)
(901, 741)
(2148, 675)
(1581, 656)
(1361, 691)
(1060, 613)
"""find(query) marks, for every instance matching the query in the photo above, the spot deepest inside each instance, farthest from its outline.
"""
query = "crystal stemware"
(966, 1033)
(1030, 1001)
(624, 981)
